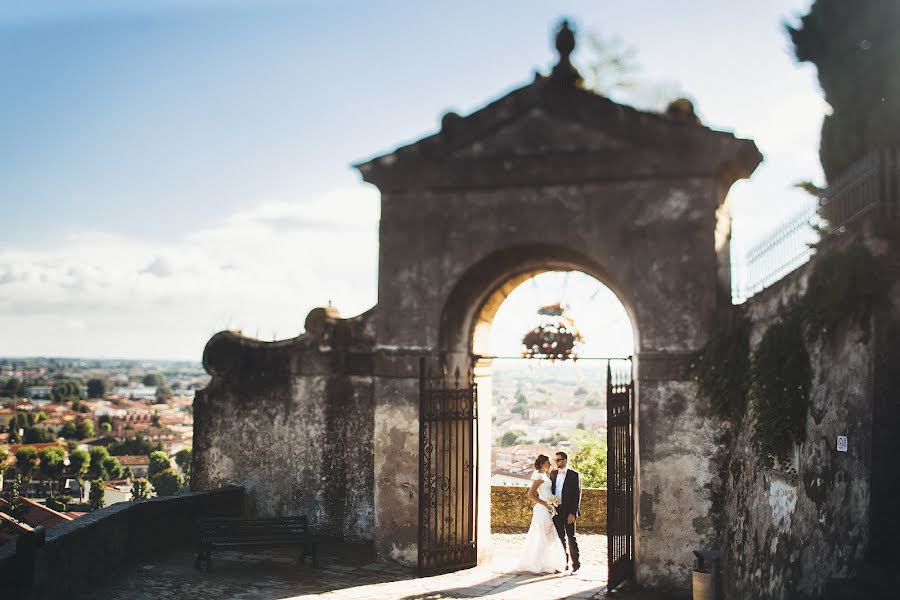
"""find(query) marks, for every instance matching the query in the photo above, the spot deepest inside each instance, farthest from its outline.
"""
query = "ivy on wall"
(722, 369)
(777, 377)
(781, 378)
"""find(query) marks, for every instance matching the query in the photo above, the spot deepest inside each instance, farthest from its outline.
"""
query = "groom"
(566, 485)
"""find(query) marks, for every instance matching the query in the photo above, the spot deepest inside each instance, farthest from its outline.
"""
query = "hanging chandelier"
(555, 337)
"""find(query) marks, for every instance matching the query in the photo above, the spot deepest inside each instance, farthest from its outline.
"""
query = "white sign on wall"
(842, 443)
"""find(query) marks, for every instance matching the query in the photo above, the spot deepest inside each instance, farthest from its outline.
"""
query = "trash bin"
(706, 577)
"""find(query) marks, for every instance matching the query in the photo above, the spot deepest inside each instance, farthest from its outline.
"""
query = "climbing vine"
(777, 377)
(722, 369)
(781, 378)
(842, 289)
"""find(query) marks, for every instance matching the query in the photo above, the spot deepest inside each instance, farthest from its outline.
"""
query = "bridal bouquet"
(552, 503)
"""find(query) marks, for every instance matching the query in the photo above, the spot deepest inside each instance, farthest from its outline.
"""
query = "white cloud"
(260, 270)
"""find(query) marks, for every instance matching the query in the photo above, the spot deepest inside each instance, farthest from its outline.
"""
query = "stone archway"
(465, 326)
(553, 175)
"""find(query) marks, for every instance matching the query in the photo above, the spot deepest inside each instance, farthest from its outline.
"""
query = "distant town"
(79, 434)
(76, 435)
(540, 408)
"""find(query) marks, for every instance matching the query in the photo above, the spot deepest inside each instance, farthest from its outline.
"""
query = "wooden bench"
(225, 533)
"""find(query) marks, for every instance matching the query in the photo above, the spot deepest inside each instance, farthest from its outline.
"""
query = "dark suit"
(571, 505)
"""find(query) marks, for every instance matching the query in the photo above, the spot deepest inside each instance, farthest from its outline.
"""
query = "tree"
(590, 461)
(167, 482)
(112, 467)
(154, 419)
(36, 435)
(163, 392)
(26, 462)
(66, 390)
(137, 445)
(97, 469)
(105, 427)
(581, 390)
(79, 464)
(84, 429)
(13, 388)
(4, 456)
(140, 489)
(612, 70)
(16, 506)
(153, 380)
(856, 49)
(159, 461)
(51, 465)
(511, 438)
(183, 460)
(97, 387)
(97, 496)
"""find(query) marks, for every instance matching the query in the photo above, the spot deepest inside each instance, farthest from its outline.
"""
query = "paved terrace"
(349, 573)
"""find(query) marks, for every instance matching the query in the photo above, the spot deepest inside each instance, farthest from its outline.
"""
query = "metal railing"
(870, 183)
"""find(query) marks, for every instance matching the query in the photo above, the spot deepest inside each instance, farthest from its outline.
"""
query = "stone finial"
(682, 109)
(564, 73)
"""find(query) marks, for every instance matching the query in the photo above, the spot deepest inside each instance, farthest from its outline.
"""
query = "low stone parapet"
(78, 554)
(511, 509)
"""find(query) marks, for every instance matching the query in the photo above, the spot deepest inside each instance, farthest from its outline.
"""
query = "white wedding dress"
(542, 551)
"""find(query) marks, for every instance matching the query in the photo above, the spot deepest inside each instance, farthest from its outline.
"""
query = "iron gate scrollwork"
(620, 471)
(448, 487)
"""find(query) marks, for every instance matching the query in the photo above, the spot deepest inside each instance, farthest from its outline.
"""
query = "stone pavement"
(350, 574)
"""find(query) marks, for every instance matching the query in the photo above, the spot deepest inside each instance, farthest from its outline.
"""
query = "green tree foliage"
(159, 461)
(79, 464)
(59, 503)
(153, 380)
(97, 387)
(154, 419)
(856, 49)
(84, 429)
(581, 391)
(97, 496)
(51, 465)
(183, 460)
(140, 489)
(16, 506)
(590, 461)
(97, 469)
(4, 456)
(13, 388)
(112, 467)
(27, 460)
(511, 438)
(136, 446)
(37, 435)
(63, 391)
(105, 427)
(167, 482)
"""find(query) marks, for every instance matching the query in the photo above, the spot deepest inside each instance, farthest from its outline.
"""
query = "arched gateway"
(548, 177)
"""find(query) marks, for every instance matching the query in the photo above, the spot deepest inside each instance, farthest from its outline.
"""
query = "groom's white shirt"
(560, 481)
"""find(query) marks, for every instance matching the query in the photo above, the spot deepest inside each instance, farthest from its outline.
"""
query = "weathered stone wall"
(511, 509)
(786, 534)
(292, 423)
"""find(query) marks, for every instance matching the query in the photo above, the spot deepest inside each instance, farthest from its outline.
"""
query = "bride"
(542, 551)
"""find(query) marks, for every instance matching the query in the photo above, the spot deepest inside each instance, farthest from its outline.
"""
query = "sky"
(174, 168)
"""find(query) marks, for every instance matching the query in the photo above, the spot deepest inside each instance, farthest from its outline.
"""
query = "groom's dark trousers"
(571, 503)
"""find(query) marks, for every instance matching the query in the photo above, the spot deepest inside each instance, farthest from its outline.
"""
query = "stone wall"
(292, 423)
(787, 534)
(80, 553)
(511, 509)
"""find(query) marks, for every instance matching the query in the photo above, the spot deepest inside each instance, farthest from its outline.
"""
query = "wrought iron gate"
(448, 486)
(620, 471)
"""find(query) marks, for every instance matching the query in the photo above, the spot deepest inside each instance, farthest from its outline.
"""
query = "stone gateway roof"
(554, 132)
